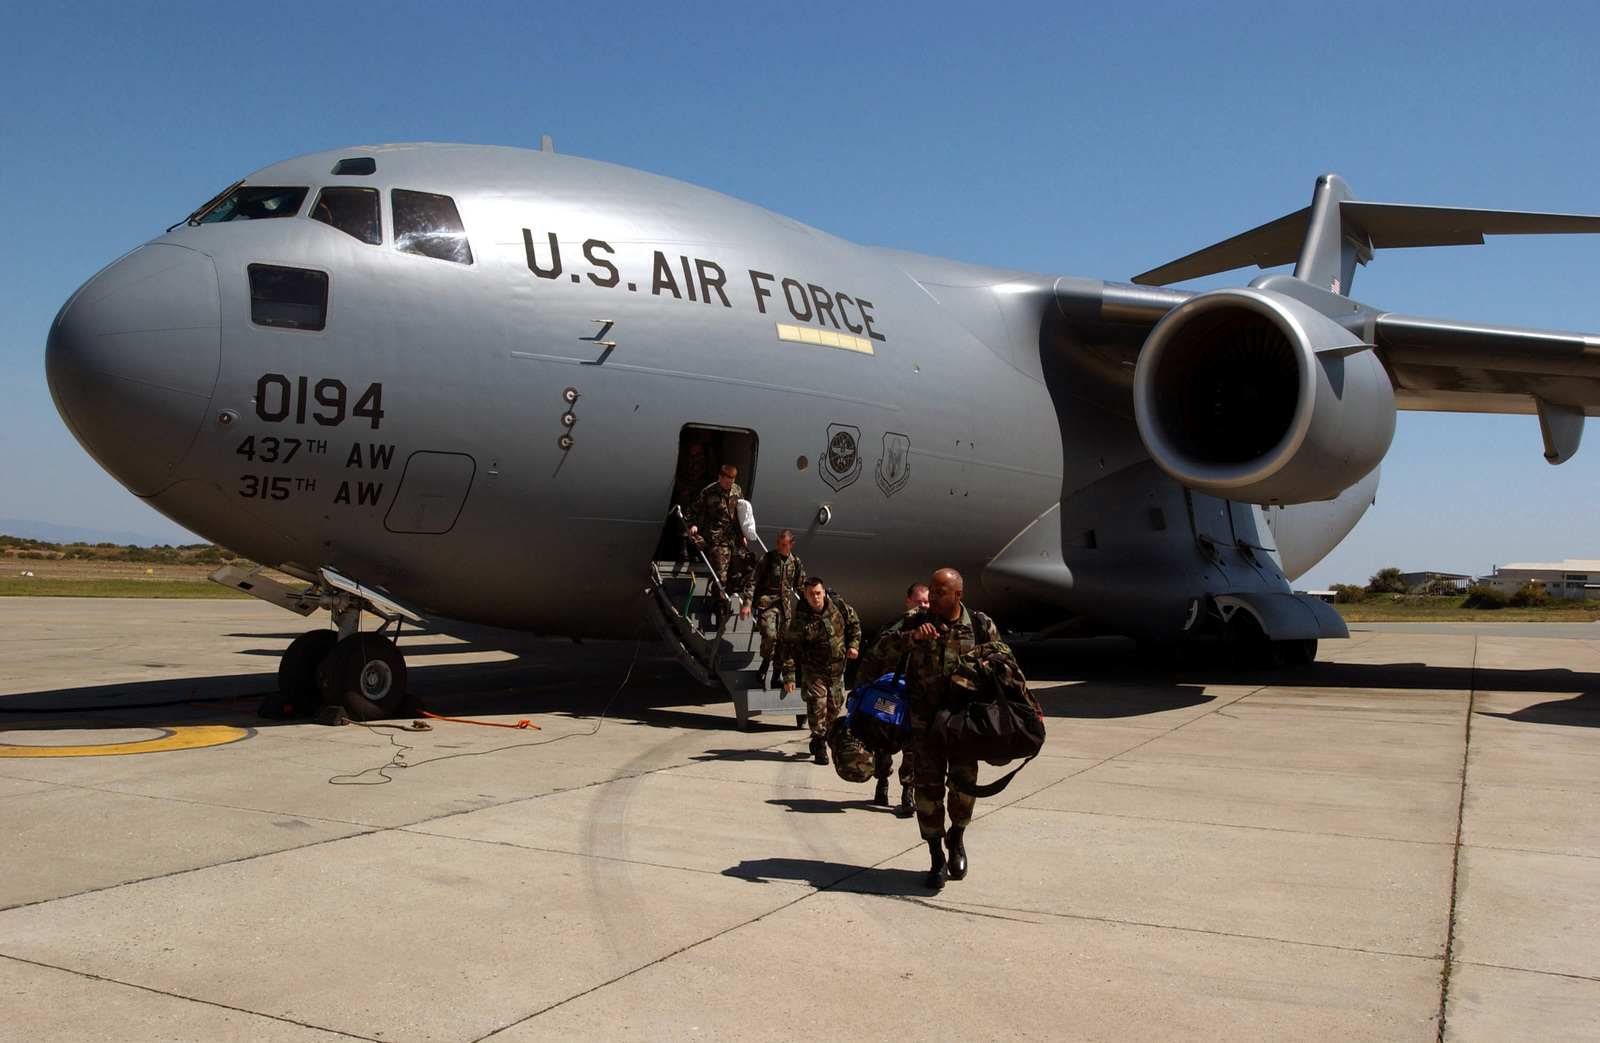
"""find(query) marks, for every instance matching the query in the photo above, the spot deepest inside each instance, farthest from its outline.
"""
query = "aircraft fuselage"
(423, 438)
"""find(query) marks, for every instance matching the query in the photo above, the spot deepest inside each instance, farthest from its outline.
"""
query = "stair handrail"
(677, 512)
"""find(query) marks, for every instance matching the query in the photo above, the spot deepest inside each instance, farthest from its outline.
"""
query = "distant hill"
(54, 533)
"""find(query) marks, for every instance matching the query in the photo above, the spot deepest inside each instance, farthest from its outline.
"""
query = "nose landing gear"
(365, 674)
(298, 694)
(362, 673)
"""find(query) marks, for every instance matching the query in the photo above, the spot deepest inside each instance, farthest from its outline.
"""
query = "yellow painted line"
(180, 737)
(828, 338)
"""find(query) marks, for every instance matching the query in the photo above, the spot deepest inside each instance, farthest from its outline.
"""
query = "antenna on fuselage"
(546, 144)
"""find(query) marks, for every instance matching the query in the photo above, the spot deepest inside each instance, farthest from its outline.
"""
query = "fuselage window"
(254, 203)
(350, 210)
(290, 298)
(429, 225)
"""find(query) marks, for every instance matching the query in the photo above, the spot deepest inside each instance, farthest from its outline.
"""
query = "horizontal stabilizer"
(1390, 225)
(1267, 246)
(1365, 227)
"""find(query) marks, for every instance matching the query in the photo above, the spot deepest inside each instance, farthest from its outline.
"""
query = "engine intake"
(1252, 396)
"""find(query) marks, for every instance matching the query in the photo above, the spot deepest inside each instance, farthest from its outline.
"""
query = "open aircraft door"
(684, 600)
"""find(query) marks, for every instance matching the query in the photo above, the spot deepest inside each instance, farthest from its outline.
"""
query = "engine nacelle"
(1252, 396)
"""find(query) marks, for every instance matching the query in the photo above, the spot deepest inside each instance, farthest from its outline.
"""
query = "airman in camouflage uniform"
(935, 640)
(714, 525)
(771, 589)
(823, 633)
(876, 662)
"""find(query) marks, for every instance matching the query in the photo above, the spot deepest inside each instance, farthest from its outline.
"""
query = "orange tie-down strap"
(524, 723)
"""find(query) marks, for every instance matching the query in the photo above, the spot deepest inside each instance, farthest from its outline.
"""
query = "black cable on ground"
(397, 760)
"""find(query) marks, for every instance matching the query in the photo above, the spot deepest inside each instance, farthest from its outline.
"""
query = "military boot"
(954, 840)
(819, 751)
(881, 796)
(939, 873)
(907, 807)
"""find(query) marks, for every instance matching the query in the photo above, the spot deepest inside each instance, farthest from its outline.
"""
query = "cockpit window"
(211, 204)
(254, 203)
(350, 210)
(429, 225)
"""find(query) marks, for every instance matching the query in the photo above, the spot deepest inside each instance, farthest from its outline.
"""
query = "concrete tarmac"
(1404, 832)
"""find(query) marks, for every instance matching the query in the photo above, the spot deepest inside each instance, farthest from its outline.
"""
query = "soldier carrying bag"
(877, 714)
(991, 716)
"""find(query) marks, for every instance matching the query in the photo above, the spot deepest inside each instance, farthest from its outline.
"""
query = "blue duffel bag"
(877, 714)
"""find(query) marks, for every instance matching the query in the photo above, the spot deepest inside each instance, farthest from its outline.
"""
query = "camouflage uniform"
(770, 590)
(712, 513)
(927, 686)
(878, 660)
(816, 644)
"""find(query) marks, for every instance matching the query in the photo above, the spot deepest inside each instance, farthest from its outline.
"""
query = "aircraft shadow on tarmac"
(1581, 711)
(1105, 668)
(558, 676)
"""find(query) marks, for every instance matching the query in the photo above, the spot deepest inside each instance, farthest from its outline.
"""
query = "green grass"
(1382, 608)
(23, 586)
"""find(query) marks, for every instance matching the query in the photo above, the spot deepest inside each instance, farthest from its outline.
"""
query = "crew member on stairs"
(772, 588)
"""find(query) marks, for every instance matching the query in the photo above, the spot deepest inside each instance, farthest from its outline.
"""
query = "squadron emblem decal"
(894, 466)
(841, 461)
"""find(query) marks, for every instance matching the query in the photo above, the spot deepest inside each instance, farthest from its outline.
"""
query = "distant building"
(1572, 578)
(1450, 579)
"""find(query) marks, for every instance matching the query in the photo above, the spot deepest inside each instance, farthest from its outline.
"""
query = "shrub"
(1530, 595)
(1347, 593)
(1486, 597)
(1386, 581)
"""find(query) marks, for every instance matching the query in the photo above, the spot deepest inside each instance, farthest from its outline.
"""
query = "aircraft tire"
(1273, 655)
(365, 674)
(1302, 652)
(298, 694)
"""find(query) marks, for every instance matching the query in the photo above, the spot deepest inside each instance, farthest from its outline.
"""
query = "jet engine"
(1253, 396)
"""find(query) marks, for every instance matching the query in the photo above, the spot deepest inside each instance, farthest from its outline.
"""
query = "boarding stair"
(719, 649)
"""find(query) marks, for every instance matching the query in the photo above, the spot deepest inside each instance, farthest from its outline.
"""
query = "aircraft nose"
(132, 361)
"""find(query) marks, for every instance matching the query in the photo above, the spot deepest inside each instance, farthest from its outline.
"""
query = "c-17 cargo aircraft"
(459, 380)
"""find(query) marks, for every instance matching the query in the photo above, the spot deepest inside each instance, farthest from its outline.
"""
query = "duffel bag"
(877, 714)
(992, 717)
(851, 760)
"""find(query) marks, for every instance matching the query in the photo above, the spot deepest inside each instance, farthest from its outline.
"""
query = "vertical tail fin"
(1333, 243)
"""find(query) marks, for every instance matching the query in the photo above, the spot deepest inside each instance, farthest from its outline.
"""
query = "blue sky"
(1056, 138)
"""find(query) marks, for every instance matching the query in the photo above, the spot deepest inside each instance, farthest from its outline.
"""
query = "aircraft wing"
(1441, 364)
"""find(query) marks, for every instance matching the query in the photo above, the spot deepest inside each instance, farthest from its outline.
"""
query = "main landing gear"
(364, 674)
(359, 672)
